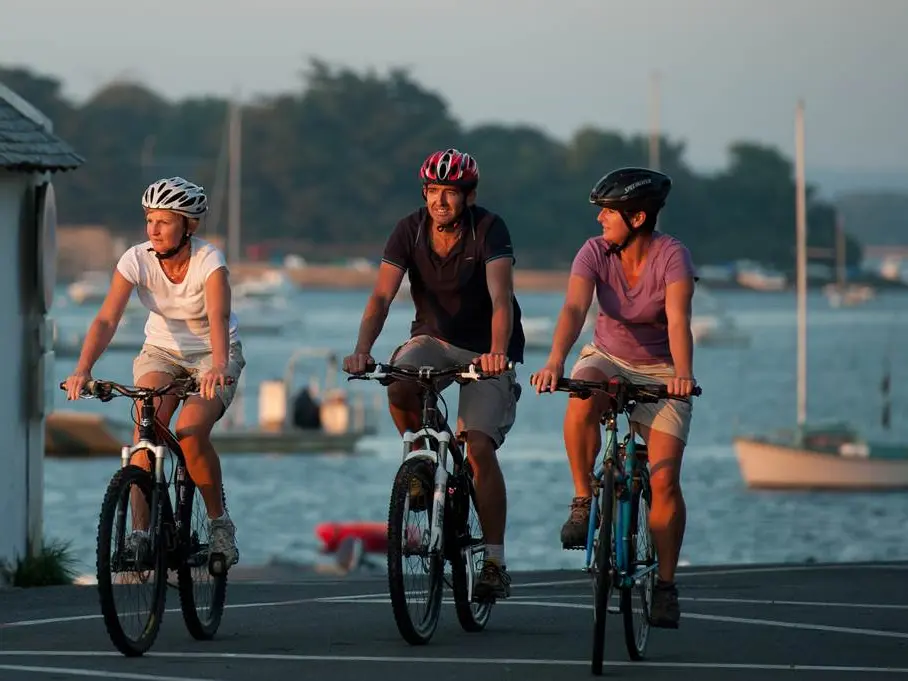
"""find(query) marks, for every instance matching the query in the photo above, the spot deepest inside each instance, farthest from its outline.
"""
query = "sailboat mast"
(840, 249)
(233, 192)
(801, 230)
(654, 131)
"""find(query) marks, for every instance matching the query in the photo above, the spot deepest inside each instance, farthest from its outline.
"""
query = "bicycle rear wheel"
(467, 555)
(603, 564)
(637, 600)
(202, 595)
(415, 576)
(131, 567)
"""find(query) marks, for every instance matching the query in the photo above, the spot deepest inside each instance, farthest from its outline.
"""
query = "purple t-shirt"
(632, 324)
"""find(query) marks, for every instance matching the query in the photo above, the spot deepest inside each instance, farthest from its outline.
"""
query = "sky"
(729, 69)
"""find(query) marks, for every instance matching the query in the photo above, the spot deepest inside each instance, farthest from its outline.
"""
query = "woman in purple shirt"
(644, 283)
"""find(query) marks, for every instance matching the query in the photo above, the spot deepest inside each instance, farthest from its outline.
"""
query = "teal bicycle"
(619, 549)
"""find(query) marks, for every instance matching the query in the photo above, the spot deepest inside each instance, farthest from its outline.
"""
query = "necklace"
(177, 275)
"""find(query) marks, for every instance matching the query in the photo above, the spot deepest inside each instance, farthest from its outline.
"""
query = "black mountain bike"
(143, 532)
(432, 516)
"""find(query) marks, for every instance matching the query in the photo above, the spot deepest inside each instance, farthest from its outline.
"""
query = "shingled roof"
(27, 141)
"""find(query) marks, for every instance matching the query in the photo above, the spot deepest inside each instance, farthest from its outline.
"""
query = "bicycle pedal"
(217, 564)
(573, 547)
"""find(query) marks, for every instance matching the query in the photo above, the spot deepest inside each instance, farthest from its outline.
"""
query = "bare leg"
(668, 515)
(491, 495)
(194, 433)
(405, 407)
(582, 433)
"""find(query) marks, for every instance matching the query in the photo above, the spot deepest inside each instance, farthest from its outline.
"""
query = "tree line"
(328, 169)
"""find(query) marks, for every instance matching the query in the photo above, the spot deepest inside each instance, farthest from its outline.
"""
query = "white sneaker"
(222, 539)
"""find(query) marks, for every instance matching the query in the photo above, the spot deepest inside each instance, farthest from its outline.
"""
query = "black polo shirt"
(451, 294)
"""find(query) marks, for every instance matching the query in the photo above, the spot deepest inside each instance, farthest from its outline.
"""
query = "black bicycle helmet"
(632, 189)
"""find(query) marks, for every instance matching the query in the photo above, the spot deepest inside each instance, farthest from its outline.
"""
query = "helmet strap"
(617, 248)
(166, 255)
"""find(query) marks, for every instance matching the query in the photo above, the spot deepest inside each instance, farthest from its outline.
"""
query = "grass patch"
(54, 565)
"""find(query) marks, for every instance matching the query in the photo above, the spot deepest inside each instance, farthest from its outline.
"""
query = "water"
(277, 500)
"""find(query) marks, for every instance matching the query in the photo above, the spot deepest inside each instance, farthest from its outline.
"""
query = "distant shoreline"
(336, 277)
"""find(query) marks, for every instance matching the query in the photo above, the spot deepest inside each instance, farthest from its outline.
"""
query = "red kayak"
(374, 535)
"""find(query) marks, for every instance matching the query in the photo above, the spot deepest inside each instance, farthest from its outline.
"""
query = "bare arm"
(678, 303)
(217, 303)
(570, 321)
(386, 287)
(500, 280)
(105, 323)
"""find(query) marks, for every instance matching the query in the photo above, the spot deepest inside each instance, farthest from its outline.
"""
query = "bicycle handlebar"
(620, 387)
(385, 373)
(103, 390)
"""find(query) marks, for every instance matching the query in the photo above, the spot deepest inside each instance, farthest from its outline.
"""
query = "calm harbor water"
(276, 501)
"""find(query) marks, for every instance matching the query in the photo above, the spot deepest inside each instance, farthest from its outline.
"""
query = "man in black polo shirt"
(460, 261)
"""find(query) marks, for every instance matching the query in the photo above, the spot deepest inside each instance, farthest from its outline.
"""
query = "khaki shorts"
(667, 416)
(163, 360)
(488, 406)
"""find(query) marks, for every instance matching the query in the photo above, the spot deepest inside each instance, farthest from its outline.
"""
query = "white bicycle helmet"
(176, 194)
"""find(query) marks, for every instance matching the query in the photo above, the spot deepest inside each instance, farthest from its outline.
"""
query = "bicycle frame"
(150, 431)
(624, 472)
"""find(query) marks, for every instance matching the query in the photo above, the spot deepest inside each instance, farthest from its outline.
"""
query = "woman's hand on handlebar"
(681, 386)
(547, 378)
(76, 383)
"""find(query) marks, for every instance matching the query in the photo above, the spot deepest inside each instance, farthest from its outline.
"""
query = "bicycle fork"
(440, 489)
(157, 488)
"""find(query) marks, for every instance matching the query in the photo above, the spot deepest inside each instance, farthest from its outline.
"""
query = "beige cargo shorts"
(152, 358)
(488, 406)
(667, 416)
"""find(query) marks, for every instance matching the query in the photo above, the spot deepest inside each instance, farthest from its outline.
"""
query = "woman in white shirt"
(183, 282)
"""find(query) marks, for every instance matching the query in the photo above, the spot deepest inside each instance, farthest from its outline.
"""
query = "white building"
(29, 154)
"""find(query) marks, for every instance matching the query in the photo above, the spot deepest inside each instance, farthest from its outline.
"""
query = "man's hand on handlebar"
(358, 362)
(492, 363)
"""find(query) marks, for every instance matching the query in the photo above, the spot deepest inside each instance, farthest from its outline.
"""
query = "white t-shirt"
(177, 318)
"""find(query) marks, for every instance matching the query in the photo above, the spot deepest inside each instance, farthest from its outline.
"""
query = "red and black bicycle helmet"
(450, 167)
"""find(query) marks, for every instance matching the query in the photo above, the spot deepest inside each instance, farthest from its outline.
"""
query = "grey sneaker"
(494, 582)
(137, 548)
(665, 611)
(574, 531)
(222, 539)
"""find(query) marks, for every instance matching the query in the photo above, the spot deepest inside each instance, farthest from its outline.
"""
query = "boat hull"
(767, 465)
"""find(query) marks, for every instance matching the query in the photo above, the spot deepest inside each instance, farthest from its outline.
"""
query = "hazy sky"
(731, 69)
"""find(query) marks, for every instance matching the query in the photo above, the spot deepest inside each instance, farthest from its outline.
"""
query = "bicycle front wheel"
(467, 557)
(603, 564)
(415, 575)
(637, 600)
(202, 594)
(131, 563)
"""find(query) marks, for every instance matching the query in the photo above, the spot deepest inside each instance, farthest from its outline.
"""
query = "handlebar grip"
(87, 389)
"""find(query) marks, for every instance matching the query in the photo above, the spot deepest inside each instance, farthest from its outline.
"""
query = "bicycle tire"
(603, 562)
(191, 551)
(636, 641)
(412, 632)
(119, 486)
(473, 617)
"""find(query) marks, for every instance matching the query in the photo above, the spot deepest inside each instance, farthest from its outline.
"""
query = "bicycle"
(175, 539)
(453, 531)
(621, 555)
